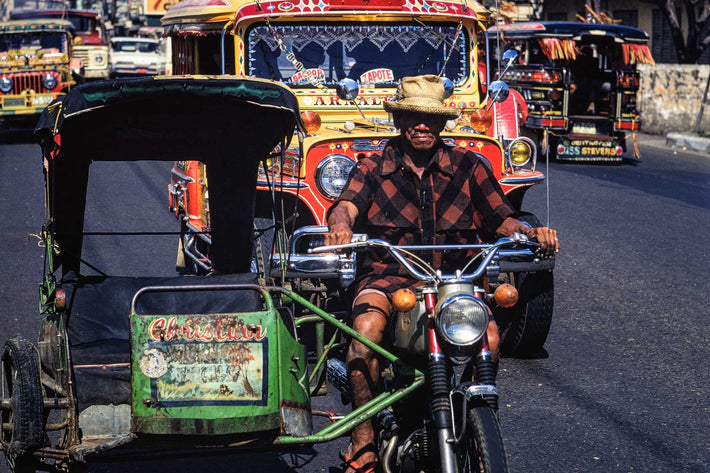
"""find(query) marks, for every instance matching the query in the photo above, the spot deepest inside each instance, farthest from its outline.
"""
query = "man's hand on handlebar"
(340, 223)
(547, 237)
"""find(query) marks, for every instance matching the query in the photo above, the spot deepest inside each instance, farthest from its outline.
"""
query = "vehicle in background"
(90, 41)
(342, 60)
(131, 56)
(34, 66)
(579, 81)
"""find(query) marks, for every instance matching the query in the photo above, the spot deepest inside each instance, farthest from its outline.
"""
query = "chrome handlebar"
(489, 252)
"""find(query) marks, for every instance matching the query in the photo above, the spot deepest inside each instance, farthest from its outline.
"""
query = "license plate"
(584, 128)
(13, 102)
(42, 99)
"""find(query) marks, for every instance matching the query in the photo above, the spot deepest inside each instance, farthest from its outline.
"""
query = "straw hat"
(421, 94)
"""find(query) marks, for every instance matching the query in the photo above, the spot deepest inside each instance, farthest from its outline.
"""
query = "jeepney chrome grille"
(26, 80)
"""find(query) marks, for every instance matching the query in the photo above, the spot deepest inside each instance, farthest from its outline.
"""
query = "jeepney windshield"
(370, 53)
(37, 41)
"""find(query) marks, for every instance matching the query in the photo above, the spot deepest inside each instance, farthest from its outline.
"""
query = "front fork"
(439, 382)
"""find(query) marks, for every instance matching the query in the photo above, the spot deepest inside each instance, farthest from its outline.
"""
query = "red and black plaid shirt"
(457, 200)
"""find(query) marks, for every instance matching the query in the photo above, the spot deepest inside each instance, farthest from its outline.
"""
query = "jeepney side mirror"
(448, 87)
(509, 57)
(498, 91)
(347, 89)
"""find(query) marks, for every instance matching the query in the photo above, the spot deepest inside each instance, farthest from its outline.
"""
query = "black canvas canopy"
(229, 122)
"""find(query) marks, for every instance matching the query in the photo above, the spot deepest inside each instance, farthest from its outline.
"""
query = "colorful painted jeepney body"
(311, 47)
(34, 65)
(91, 44)
(579, 81)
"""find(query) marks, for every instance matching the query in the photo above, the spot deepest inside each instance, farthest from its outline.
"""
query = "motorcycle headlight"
(49, 82)
(332, 174)
(5, 85)
(463, 319)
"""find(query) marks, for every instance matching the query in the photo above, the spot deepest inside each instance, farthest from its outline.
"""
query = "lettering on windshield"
(377, 76)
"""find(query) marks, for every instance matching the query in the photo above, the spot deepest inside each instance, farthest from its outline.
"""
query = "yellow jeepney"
(342, 59)
(34, 65)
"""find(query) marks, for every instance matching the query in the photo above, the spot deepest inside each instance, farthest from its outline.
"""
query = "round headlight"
(520, 153)
(332, 174)
(5, 85)
(463, 319)
(49, 82)
(98, 59)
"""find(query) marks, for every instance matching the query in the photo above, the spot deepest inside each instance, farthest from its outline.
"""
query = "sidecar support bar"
(338, 324)
(359, 415)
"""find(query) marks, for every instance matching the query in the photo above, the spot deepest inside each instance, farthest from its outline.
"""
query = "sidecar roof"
(230, 123)
(568, 30)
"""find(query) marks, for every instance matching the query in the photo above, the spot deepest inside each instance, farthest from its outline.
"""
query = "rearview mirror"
(448, 87)
(498, 91)
(347, 89)
(510, 56)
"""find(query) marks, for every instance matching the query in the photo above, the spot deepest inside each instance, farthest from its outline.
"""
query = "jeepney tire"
(526, 333)
(264, 231)
(21, 374)
(524, 329)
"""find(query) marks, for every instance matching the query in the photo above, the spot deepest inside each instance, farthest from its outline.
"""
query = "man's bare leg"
(370, 312)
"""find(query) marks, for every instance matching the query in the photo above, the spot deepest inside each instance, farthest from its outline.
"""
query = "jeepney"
(90, 40)
(579, 81)
(342, 59)
(34, 65)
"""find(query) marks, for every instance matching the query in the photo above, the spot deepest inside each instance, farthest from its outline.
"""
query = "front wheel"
(481, 450)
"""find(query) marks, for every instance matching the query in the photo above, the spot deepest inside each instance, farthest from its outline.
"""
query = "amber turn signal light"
(506, 295)
(404, 300)
(311, 121)
(480, 119)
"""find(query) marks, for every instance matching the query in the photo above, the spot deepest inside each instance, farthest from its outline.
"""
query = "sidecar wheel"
(530, 321)
(23, 421)
(481, 450)
(263, 246)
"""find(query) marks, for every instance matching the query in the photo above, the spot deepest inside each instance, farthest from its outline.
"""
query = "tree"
(697, 13)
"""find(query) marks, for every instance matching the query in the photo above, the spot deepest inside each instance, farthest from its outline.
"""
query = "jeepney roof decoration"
(558, 39)
(239, 10)
(569, 30)
(24, 26)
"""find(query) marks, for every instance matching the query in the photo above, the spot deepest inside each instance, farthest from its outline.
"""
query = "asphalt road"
(623, 383)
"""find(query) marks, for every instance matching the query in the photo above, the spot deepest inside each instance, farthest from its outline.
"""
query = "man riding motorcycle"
(418, 191)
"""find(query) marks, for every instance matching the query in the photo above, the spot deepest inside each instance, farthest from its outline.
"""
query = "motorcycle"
(441, 331)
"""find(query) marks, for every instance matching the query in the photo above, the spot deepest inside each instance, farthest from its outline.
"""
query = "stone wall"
(670, 98)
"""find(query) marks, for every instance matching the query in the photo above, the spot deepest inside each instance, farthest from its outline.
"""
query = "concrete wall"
(670, 97)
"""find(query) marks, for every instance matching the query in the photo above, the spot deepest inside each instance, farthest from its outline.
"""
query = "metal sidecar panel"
(217, 374)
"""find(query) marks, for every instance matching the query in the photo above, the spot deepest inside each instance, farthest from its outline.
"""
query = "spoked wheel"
(481, 450)
(22, 408)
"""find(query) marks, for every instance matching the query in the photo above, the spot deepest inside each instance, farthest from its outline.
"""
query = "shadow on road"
(17, 135)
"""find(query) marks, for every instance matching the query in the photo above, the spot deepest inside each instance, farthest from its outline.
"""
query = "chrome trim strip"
(285, 184)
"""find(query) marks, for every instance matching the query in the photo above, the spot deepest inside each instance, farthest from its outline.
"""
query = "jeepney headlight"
(463, 319)
(98, 59)
(5, 85)
(49, 82)
(522, 151)
(332, 174)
